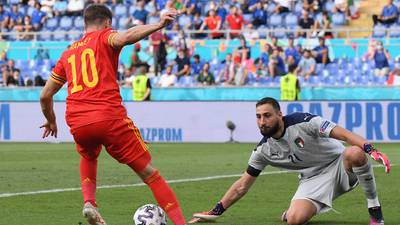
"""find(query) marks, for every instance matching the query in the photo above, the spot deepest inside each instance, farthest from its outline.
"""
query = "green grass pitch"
(30, 167)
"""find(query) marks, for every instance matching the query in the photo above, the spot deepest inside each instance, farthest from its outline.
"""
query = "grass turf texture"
(38, 166)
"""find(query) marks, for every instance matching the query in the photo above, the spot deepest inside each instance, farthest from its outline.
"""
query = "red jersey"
(235, 22)
(212, 23)
(90, 68)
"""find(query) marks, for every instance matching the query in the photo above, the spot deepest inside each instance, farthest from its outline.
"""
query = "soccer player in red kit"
(95, 113)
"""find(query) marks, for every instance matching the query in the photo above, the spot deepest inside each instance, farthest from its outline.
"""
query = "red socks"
(88, 180)
(165, 198)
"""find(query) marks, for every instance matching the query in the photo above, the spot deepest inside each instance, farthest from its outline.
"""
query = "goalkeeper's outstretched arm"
(234, 193)
(238, 190)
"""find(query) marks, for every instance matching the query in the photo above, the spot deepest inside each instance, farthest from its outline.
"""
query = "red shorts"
(121, 138)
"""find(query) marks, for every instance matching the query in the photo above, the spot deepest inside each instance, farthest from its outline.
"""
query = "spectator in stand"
(38, 17)
(388, 16)
(312, 6)
(244, 50)
(381, 57)
(321, 52)
(227, 73)
(4, 74)
(39, 81)
(275, 45)
(3, 58)
(321, 26)
(261, 69)
(183, 63)
(47, 7)
(259, 15)
(283, 6)
(206, 78)
(140, 13)
(16, 17)
(136, 61)
(306, 67)
(151, 8)
(212, 23)
(75, 7)
(158, 41)
(161, 4)
(264, 57)
(342, 6)
(23, 28)
(276, 64)
(196, 25)
(292, 56)
(193, 6)
(234, 21)
(305, 23)
(196, 66)
(60, 8)
(250, 33)
(222, 11)
(15, 79)
(168, 79)
(4, 18)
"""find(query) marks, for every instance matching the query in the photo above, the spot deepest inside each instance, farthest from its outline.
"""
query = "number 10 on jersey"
(87, 53)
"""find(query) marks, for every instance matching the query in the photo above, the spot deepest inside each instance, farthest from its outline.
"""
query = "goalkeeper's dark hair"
(95, 14)
(268, 100)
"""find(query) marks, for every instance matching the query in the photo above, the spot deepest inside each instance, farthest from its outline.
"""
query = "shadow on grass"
(334, 222)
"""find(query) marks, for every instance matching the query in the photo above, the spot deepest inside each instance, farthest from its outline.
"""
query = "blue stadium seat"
(394, 31)
(330, 80)
(79, 23)
(314, 80)
(120, 10)
(362, 80)
(114, 23)
(132, 9)
(154, 80)
(74, 34)
(183, 20)
(153, 19)
(379, 31)
(122, 22)
(298, 8)
(66, 23)
(329, 5)
(291, 20)
(275, 20)
(59, 35)
(248, 17)
(379, 80)
(52, 23)
(271, 7)
(338, 19)
(185, 81)
(29, 10)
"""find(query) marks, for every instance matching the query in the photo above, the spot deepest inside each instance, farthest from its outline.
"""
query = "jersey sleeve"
(58, 73)
(108, 36)
(257, 160)
(320, 127)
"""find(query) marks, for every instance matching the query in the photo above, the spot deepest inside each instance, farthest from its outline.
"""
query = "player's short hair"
(96, 14)
(268, 100)
(292, 67)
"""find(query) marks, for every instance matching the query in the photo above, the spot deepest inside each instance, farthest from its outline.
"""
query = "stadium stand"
(64, 23)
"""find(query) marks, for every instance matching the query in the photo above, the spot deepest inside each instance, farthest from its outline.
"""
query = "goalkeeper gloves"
(211, 215)
(377, 156)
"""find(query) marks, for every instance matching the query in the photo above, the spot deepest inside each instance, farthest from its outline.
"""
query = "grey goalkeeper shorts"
(323, 188)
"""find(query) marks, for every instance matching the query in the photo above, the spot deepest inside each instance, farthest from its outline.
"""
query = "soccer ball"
(149, 215)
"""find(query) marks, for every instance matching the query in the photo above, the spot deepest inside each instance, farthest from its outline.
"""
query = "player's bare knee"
(295, 219)
(355, 156)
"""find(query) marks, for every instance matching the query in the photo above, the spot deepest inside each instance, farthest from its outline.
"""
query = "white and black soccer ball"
(149, 215)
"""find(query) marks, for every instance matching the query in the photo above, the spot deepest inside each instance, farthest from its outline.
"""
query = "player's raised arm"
(351, 138)
(137, 33)
(234, 193)
(46, 102)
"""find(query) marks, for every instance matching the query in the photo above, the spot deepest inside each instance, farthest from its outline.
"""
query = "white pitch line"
(5, 195)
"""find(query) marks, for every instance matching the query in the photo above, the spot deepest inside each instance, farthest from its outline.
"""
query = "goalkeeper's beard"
(269, 131)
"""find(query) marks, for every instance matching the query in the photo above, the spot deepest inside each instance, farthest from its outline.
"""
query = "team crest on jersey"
(299, 142)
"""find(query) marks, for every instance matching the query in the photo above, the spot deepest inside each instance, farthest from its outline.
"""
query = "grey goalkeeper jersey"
(304, 147)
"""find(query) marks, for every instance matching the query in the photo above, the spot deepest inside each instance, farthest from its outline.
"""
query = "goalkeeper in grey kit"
(310, 145)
